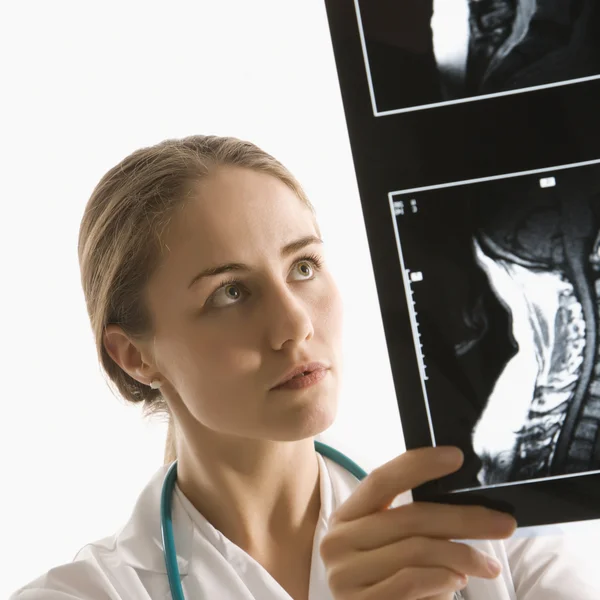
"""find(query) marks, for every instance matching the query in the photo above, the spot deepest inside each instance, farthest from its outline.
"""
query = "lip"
(313, 368)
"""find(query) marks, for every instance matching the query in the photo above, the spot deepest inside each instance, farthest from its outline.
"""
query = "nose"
(289, 320)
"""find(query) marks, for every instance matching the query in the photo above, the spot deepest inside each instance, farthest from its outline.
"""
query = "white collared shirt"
(130, 564)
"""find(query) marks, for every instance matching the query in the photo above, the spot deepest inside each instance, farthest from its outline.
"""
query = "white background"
(84, 85)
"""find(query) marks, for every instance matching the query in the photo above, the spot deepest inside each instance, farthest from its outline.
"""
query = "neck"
(261, 495)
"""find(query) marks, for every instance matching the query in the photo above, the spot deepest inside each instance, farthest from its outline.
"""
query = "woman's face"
(262, 303)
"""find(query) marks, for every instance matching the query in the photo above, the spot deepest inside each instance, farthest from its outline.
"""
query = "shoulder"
(82, 580)
(115, 567)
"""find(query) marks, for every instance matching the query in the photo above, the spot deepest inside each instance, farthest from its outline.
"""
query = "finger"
(415, 583)
(367, 568)
(403, 473)
(422, 519)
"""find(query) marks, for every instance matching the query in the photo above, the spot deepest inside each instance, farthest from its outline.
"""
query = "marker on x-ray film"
(398, 207)
(546, 182)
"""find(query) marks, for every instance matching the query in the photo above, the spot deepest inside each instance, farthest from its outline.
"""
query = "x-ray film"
(483, 219)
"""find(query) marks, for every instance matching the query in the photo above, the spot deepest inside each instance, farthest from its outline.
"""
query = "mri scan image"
(425, 53)
(504, 281)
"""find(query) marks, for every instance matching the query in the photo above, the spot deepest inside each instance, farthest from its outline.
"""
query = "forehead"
(235, 213)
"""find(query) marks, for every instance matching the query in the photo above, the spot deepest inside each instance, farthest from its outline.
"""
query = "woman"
(207, 290)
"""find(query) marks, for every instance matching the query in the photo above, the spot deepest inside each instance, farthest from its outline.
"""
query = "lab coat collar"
(139, 544)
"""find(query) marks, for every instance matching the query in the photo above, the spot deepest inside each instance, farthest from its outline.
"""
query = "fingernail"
(493, 566)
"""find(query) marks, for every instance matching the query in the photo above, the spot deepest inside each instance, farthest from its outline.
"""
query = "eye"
(306, 267)
(228, 293)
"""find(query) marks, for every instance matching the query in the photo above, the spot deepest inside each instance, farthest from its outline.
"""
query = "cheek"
(212, 377)
(199, 360)
(220, 358)
(330, 313)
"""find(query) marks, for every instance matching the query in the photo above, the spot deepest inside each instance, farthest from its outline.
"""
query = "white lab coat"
(130, 564)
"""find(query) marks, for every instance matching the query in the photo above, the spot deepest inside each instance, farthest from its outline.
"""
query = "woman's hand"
(405, 553)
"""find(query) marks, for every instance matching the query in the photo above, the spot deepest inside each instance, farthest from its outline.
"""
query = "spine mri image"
(423, 53)
(505, 278)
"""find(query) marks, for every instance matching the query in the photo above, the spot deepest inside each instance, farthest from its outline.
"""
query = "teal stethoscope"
(166, 524)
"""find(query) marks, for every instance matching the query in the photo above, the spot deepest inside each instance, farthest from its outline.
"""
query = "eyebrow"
(288, 249)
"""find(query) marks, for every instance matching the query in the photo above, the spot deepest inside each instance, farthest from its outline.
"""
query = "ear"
(128, 355)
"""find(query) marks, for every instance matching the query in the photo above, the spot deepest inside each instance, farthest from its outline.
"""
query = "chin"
(310, 420)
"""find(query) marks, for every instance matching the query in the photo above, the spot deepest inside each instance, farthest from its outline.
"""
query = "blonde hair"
(121, 239)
